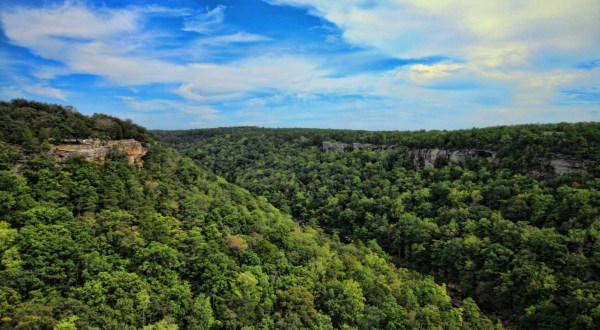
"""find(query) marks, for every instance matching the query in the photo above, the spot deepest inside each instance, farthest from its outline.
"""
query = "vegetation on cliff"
(93, 245)
(520, 239)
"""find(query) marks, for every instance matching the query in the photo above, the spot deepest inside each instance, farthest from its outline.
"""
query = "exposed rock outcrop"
(95, 150)
(563, 164)
(340, 146)
(556, 164)
(336, 146)
(423, 158)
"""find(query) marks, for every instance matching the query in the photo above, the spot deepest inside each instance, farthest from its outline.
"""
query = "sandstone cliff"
(340, 146)
(554, 164)
(95, 150)
(563, 164)
(429, 157)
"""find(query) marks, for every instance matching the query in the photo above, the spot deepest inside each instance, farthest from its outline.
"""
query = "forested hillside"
(108, 245)
(515, 234)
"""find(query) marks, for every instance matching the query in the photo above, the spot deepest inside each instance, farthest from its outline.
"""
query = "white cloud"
(98, 43)
(96, 49)
(26, 89)
(249, 75)
(421, 73)
(416, 28)
(14, 85)
(499, 42)
(204, 112)
(105, 52)
(205, 23)
(50, 31)
(238, 37)
(45, 90)
(488, 35)
(161, 10)
(261, 102)
(50, 72)
(126, 69)
(187, 91)
(146, 105)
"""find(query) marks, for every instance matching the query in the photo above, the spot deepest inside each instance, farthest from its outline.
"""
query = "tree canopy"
(511, 235)
(110, 246)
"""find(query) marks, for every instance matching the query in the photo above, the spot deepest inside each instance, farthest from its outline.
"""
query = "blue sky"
(377, 65)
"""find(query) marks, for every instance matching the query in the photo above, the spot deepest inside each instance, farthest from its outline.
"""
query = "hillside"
(102, 244)
(508, 215)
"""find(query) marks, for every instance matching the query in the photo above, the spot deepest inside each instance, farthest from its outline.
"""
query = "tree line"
(110, 246)
(525, 247)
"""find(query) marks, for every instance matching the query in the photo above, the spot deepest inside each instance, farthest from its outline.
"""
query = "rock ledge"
(95, 150)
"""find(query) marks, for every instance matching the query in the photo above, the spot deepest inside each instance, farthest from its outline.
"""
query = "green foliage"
(29, 123)
(519, 240)
(172, 246)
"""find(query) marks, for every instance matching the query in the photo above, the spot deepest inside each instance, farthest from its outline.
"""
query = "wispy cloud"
(50, 31)
(422, 73)
(15, 85)
(45, 90)
(203, 112)
(205, 23)
(490, 35)
(398, 62)
(238, 37)
(416, 28)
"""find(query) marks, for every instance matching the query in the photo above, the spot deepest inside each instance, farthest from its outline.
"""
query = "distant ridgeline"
(340, 146)
(507, 215)
(534, 149)
(422, 158)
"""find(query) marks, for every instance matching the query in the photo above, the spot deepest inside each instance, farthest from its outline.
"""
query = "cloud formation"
(416, 28)
(205, 23)
(421, 73)
(397, 63)
(238, 37)
(492, 38)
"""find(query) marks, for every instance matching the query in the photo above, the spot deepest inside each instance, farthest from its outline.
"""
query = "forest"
(172, 245)
(517, 234)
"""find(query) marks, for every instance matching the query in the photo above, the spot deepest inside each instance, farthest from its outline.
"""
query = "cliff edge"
(95, 150)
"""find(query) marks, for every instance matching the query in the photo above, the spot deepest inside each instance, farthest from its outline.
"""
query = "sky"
(355, 64)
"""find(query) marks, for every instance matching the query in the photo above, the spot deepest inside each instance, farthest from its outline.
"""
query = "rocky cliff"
(340, 146)
(429, 157)
(563, 164)
(554, 164)
(95, 150)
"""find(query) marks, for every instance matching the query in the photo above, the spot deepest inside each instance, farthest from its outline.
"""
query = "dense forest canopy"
(520, 239)
(23, 120)
(106, 245)
(579, 139)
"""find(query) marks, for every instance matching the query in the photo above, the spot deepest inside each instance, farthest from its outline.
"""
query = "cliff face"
(551, 165)
(554, 164)
(95, 150)
(339, 146)
(428, 157)
(562, 164)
